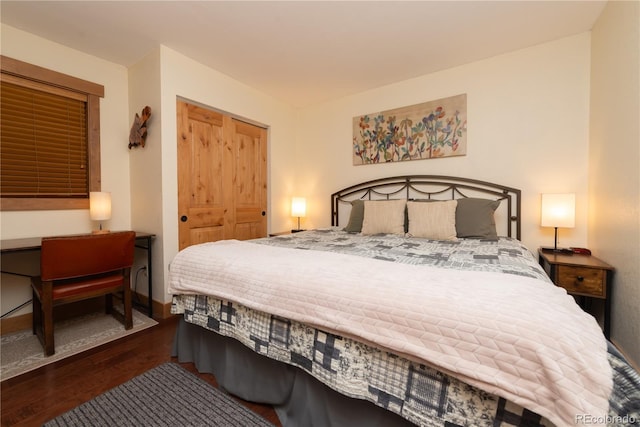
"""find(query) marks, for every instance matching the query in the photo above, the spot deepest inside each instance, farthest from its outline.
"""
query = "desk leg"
(149, 272)
(150, 275)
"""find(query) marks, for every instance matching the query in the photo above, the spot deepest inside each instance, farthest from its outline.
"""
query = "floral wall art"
(424, 131)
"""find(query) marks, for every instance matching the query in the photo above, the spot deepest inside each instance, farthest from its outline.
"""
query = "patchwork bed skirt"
(414, 392)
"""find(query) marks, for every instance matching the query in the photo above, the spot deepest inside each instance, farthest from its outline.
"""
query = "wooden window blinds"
(49, 138)
(44, 143)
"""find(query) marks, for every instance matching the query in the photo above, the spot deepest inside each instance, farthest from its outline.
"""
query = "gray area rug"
(167, 395)
(21, 352)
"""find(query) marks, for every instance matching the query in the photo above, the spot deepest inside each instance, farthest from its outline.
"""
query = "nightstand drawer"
(585, 281)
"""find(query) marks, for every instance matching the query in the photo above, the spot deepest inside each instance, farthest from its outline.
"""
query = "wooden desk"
(143, 241)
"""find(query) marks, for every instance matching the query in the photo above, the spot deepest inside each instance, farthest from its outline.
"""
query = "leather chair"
(76, 268)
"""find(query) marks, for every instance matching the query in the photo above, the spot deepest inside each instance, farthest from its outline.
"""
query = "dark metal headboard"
(434, 187)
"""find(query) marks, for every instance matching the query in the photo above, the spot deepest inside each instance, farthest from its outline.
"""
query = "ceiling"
(305, 52)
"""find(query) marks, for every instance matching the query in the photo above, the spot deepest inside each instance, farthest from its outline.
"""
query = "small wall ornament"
(138, 132)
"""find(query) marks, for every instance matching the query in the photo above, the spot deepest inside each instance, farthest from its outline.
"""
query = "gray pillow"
(355, 217)
(474, 218)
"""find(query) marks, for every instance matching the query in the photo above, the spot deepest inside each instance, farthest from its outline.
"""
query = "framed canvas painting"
(429, 130)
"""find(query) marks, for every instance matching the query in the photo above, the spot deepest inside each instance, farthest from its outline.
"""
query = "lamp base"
(101, 231)
(566, 251)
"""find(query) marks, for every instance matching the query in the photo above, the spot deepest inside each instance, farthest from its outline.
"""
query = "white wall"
(145, 169)
(528, 115)
(114, 136)
(614, 163)
(182, 77)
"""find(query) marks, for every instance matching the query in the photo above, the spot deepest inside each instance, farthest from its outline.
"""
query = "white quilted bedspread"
(517, 337)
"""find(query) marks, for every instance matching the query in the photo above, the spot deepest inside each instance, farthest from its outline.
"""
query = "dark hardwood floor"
(38, 396)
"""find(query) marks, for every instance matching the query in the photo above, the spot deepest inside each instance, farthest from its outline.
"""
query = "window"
(50, 138)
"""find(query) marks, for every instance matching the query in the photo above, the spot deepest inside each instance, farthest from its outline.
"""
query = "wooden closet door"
(250, 146)
(222, 179)
(202, 191)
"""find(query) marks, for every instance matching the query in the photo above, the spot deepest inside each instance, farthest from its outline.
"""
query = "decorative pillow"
(406, 211)
(436, 221)
(474, 218)
(383, 216)
(355, 217)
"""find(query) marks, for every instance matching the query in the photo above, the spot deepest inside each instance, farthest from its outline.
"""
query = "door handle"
(183, 218)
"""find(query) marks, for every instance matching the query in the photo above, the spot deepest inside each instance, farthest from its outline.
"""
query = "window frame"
(93, 92)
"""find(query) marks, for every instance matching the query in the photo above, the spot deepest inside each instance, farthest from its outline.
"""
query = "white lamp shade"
(558, 210)
(298, 207)
(99, 205)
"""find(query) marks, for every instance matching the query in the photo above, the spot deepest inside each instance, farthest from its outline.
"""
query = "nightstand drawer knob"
(580, 279)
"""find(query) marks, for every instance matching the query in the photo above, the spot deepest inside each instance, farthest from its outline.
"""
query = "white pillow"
(383, 216)
(435, 220)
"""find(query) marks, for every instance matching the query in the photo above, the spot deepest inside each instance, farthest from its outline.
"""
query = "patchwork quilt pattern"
(505, 255)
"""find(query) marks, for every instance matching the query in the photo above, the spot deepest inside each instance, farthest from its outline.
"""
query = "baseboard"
(166, 311)
(66, 311)
(15, 324)
(160, 310)
(621, 350)
(79, 308)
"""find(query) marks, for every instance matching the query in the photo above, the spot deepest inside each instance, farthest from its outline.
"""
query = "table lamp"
(99, 208)
(299, 209)
(558, 210)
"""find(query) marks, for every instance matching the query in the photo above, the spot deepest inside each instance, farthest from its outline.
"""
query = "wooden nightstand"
(584, 276)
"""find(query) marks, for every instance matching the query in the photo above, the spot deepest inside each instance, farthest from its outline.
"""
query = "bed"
(419, 306)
